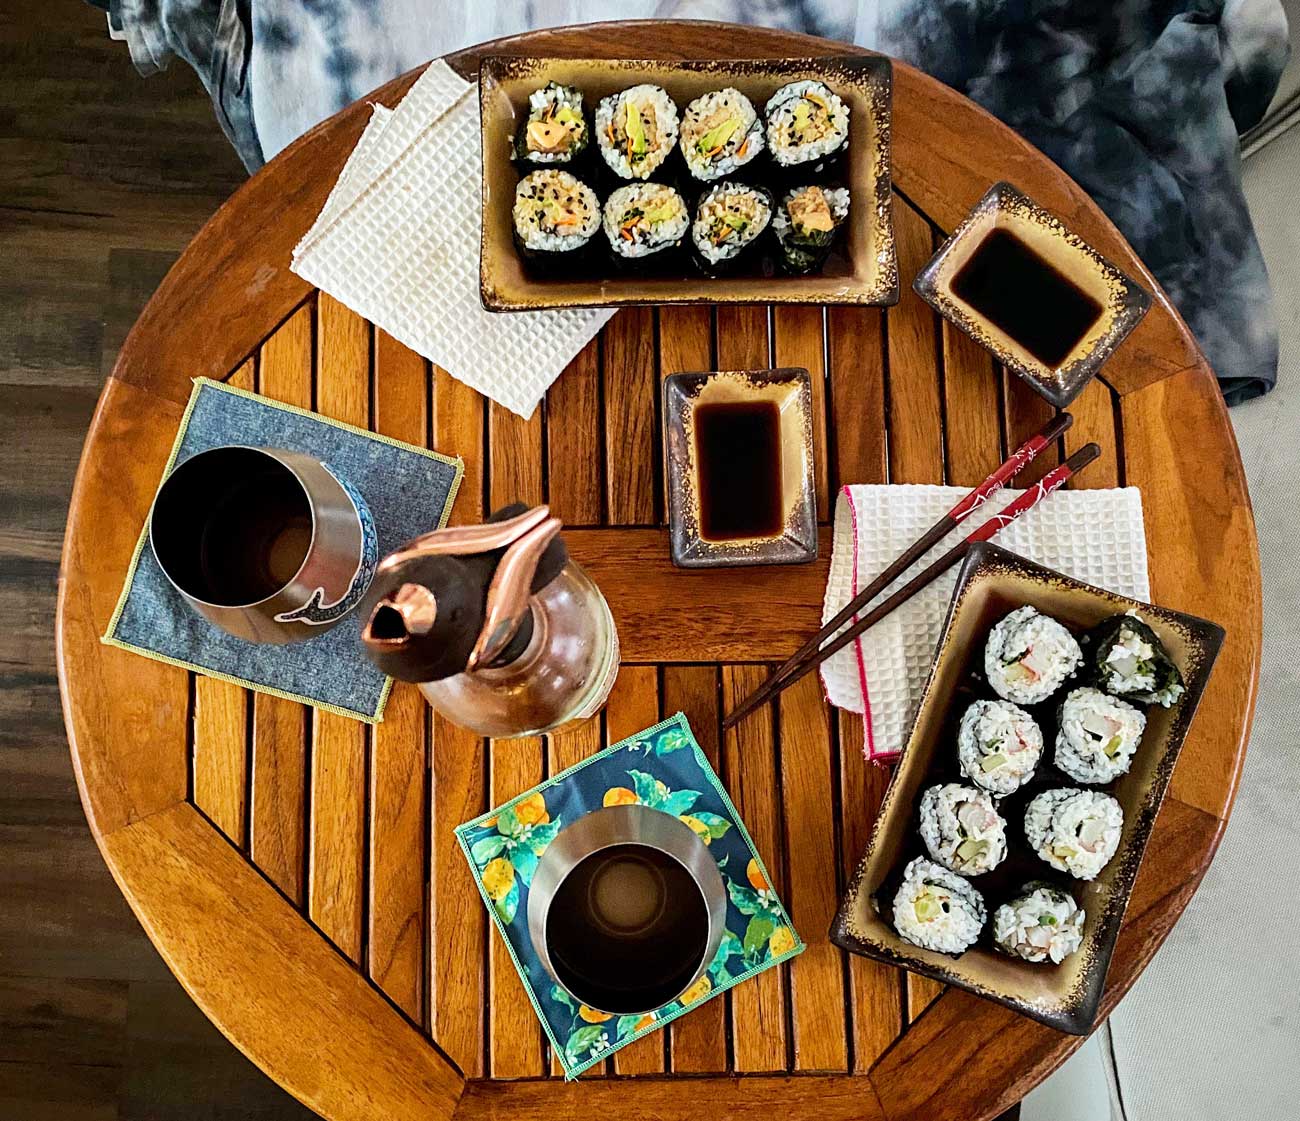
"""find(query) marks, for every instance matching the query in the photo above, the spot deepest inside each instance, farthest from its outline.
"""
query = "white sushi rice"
(725, 201)
(645, 237)
(1075, 831)
(1028, 656)
(610, 114)
(936, 909)
(704, 115)
(1042, 924)
(1097, 736)
(962, 829)
(542, 198)
(837, 198)
(999, 745)
(788, 140)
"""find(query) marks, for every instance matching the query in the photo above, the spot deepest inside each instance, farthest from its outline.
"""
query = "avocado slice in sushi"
(1128, 660)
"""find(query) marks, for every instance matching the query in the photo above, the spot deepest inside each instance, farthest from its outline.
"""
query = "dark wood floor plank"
(62, 1020)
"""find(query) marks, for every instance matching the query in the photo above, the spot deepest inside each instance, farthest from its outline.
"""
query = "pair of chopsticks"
(813, 653)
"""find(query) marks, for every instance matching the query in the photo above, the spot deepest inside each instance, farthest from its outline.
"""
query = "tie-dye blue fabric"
(1141, 101)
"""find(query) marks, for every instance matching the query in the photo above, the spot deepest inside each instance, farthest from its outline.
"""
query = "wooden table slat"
(458, 420)
(812, 878)
(801, 341)
(574, 450)
(1095, 419)
(855, 343)
(1025, 412)
(972, 392)
(759, 1023)
(221, 728)
(399, 777)
(336, 876)
(631, 388)
(698, 1042)
(277, 838)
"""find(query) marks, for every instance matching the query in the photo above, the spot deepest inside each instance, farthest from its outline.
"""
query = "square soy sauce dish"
(1055, 978)
(738, 451)
(1023, 285)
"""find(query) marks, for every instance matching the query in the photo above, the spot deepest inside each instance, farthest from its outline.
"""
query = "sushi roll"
(1075, 831)
(1028, 656)
(554, 214)
(636, 130)
(720, 132)
(1043, 923)
(998, 746)
(807, 126)
(555, 131)
(644, 218)
(1097, 735)
(728, 221)
(805, 225)
(962, 830)
(1129, 661)
(936, 909)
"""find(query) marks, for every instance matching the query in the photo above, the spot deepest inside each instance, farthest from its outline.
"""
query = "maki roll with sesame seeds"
(807, 128)
(728, 222)
(1097, 735)
(1043, 923)
(555, 131)
(554, 217)
(644, 220)
(636, 131)
(1129, 661)
(936, 909)
(805, 225)
(720, 132)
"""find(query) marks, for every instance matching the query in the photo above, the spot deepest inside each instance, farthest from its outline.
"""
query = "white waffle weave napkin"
(397, 241)
(1093, 535)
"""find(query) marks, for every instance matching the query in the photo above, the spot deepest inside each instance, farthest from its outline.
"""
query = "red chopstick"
(966, 506)
(1026, 500)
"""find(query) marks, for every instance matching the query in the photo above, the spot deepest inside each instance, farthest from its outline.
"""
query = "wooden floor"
(104, 176)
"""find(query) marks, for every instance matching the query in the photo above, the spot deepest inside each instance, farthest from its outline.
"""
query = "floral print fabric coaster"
(665, 769)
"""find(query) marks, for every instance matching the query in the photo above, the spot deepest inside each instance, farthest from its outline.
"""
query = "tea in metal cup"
(626, 909)
(270, 545)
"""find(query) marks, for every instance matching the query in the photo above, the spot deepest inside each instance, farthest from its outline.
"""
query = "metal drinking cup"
(626, 909)
(268, 544)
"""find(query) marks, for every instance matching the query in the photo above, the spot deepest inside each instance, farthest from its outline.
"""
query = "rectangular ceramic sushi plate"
(863, 271)
(992, 583)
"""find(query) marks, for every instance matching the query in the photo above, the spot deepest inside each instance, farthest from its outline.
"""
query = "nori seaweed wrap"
(555, 133)
(805, 225)
(807, 128)
(1128, 660)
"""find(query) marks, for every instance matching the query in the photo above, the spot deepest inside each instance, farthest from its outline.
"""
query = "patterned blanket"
(1141, 101)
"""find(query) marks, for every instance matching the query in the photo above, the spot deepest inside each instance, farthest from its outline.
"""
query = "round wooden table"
(297, 870)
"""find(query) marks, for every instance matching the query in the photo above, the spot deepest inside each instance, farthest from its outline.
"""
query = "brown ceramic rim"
(1126, 301)
(874, 281)
(1076, 1010)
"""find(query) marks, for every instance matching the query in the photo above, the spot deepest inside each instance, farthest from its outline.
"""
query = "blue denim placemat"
(662, 767)
(409, 491)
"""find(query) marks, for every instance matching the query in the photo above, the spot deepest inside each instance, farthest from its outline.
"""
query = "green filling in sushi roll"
(644, 218)
(1129, 661)
(729, 218)
(555, 130)
(720, 132)
(807, 122)
(805, 225)
(554, 212)
(936, 909)
(636, 130)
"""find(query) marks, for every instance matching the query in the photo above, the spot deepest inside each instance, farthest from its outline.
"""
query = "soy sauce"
(738, 457)
(627, 929)
(1015, 289)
